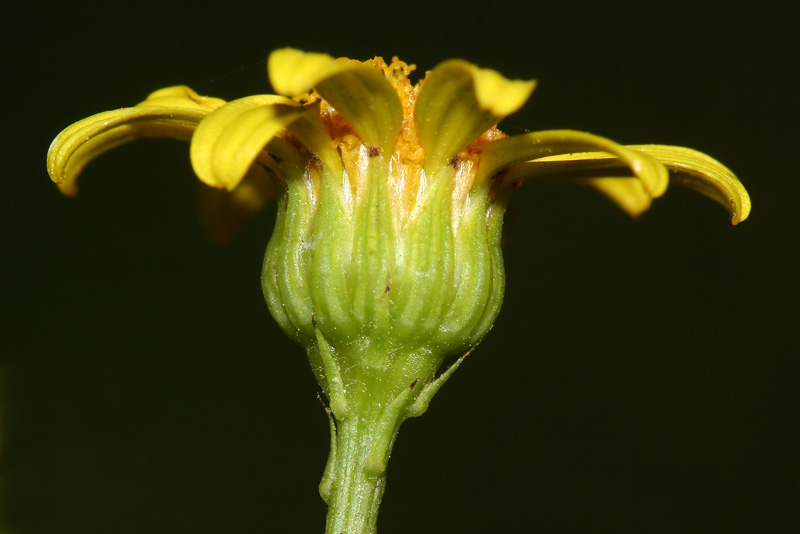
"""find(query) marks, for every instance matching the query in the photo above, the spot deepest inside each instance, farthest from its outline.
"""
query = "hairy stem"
(355, 490)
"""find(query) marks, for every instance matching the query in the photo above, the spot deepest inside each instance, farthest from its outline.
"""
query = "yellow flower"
(385, 256)
(398, 189)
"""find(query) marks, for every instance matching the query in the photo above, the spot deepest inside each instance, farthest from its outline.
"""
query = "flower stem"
(355, 491)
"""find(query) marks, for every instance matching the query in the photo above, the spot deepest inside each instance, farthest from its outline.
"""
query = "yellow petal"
(569, 145)
(64, 168)
(629, 195)
(608, 175)
(361, 94)
(686, 167)
(310, 131)
(223, 214)
(182, 96)
(704, 174)
(228, 141)
(170, 112)
(498, 95)
(458, 102)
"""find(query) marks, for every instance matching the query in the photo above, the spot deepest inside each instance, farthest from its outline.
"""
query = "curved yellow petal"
(361, 94)
(571, 147)
(229, 140)
(629, 195)
(499, 95)
(704, 174)
(65, 167)
(686, 167)
(181, 96)
(170, 112)
(223, 214)
(311, 132)
(458, 102)
(606, 174)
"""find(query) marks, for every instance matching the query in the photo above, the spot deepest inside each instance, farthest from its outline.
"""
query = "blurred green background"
(642, 376)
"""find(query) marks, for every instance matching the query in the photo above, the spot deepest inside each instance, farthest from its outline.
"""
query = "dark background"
(642, 376)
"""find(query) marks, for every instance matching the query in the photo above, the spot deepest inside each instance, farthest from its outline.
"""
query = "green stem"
(362, 437)
(355, 493)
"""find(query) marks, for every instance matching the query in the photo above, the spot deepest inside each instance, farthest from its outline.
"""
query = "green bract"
(387, 301)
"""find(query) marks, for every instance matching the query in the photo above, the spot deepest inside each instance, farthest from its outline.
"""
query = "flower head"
(385, 256)
(391, 194)
(351, 140)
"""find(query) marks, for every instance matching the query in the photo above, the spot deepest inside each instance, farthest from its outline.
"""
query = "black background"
(642, 376)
